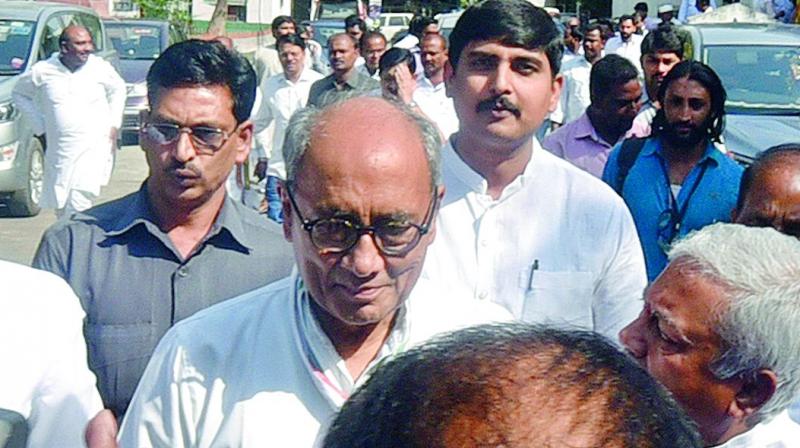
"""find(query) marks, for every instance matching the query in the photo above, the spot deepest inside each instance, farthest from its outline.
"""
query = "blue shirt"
(647, 192)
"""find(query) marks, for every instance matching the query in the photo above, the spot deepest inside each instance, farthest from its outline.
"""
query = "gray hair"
(759, 269)
(305, 121)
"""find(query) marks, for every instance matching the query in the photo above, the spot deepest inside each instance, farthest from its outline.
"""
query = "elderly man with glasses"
(143, 262)
(272, 367)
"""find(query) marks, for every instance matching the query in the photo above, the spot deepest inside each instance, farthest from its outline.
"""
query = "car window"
(52, 31)
(396, 21)
(133, 41)
(15, 44)
(760, 77)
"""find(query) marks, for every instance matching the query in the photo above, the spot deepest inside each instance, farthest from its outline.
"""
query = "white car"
(393, 22)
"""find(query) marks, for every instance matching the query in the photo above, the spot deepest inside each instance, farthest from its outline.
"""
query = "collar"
(326, 367)
(139, 212)
(305, 76)
(453, 162)
(426, 83)
(653, 146)
(584, 128)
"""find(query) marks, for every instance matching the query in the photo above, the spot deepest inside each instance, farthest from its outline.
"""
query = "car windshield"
(765, 78)
(323, 32)
(134, 41)
(15, 44)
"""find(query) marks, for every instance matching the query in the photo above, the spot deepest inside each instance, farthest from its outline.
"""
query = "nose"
(633, 337)
(184, 147)
(364, 259)
(500, 82)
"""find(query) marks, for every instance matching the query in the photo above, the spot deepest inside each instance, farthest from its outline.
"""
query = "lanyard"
(678, 213)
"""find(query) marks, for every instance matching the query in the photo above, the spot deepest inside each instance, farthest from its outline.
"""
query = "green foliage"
(176, 11)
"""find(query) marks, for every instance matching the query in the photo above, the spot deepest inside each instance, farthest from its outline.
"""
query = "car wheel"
(25, 202)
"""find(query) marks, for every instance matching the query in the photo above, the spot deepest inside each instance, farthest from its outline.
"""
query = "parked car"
(759, 65)
(447, 21)
(324, 29)
(29, 32)
(392, 23)
(138, 43)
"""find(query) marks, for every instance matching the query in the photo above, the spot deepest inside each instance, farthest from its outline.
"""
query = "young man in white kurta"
(44, 375)
(535, 234)
(79, 111)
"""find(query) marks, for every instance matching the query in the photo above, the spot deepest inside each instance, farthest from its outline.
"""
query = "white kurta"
(558, 246)
(76, 110)
(44, 374)
(259, 371)
(434, 102)
(575, 95)
(280, 99)
(630, 50)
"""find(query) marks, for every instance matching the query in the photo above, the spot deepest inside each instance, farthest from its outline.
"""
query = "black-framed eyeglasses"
(393, 238)
(206, 139)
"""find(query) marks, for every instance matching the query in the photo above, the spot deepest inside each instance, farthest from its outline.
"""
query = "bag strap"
(628, 153)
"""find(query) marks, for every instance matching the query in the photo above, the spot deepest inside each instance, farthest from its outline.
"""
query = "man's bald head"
(769, 192)
(76, 45)
(512, 385)
(352, 124)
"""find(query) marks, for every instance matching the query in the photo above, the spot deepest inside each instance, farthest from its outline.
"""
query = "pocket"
(563, 299)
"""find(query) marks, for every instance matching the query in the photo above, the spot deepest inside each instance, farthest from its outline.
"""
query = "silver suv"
(29, 32)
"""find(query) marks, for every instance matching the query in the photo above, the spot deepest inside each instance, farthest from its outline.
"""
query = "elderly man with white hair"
(719, 330)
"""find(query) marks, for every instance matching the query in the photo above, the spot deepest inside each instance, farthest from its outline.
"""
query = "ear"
(288, 212)
(449, 73)
(439, 198)
(244, 134)
(555, 92)
(755, 391)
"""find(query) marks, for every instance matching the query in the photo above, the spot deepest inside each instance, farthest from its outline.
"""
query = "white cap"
(665, 8)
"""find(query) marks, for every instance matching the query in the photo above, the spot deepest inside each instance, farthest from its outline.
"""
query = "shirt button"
(483, 295)
(182, 271)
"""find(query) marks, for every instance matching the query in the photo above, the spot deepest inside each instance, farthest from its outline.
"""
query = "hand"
(406, 83)
(261, 169)
(101, 432)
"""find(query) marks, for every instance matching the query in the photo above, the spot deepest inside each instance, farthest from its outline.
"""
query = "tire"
(25, 202)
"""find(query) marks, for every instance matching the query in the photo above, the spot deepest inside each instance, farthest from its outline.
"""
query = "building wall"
(258, 11)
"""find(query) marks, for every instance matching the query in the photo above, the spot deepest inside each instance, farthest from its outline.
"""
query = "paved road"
(20, 236)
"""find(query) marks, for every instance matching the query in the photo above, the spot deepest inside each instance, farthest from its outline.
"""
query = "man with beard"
(679, 181)
(587, 141)
(628, 44)
(520, 226)
(346, 80)
(143, 262)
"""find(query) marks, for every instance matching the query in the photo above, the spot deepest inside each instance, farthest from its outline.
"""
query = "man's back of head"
(769, 193)
(512, 385)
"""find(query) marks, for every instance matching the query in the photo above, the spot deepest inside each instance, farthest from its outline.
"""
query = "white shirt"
(433, 102)
(280, 99)
(575, 93)
(591, 270)
(44, 375)
(630, 49)
(76, 110)
(259, 371)
(780, 432)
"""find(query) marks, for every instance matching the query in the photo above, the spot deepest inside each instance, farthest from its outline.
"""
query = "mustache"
(175, 165)
(500, 102)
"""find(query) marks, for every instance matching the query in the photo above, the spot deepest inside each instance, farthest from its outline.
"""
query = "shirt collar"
(474, 180)
(140, 213)
(653, 146)
(584, 128)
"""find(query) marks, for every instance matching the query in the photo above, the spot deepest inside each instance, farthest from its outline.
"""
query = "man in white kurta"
(272, 367)
(282, 95)
(518, 226)
(430, 94)
(44, 374)
(76, 99)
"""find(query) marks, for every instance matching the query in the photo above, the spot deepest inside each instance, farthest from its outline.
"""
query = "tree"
(176, 11)
(216, 27)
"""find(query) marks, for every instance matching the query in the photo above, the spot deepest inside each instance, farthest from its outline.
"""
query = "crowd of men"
(438, 276)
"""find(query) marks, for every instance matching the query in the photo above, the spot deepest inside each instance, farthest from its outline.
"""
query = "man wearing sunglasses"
(141, 263)
(272, 367)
